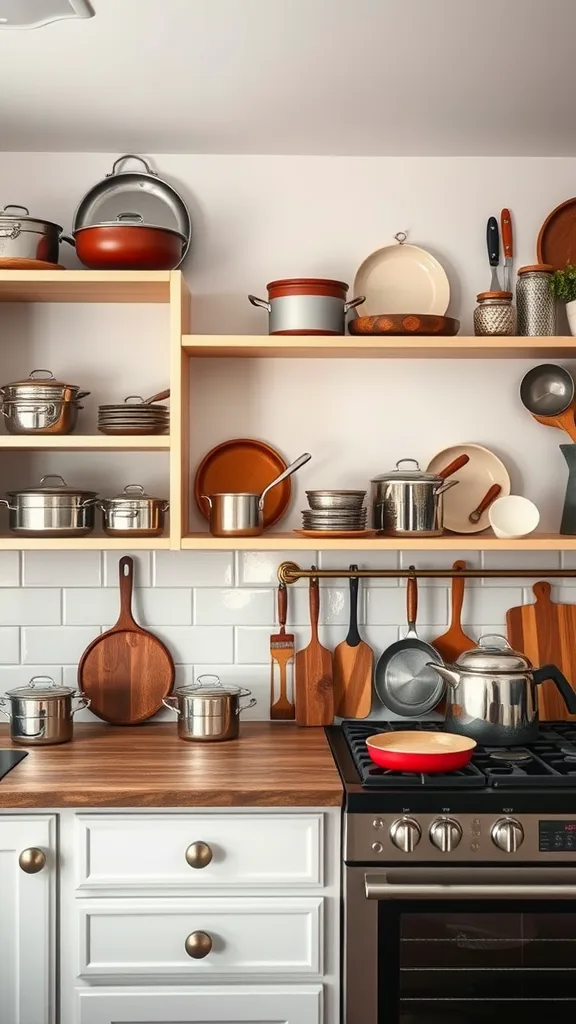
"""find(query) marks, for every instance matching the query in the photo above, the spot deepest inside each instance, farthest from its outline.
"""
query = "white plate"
(474, 479)
(402, 279)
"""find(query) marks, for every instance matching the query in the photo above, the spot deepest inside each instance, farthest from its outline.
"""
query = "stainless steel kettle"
(492, 693)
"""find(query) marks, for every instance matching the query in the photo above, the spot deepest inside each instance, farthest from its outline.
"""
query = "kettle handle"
(553, 672)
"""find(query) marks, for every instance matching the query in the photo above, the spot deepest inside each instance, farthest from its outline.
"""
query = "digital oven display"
(557, 836)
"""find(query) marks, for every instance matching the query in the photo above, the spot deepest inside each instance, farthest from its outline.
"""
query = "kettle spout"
(448, 674)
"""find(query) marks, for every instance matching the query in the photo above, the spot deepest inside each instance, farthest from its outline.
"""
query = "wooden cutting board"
(127, 671)
(546, 633)
(454, 641)
(353, 667)
(314, 694)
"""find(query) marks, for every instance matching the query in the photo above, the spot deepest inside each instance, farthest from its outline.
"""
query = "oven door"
(460, 945)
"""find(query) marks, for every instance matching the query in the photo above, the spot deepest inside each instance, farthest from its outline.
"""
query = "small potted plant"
(563, 285)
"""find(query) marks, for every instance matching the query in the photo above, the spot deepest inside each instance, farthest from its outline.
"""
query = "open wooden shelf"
(96, 542)
(449, 542)
(86, 285)
(85, 443)
(347, 347)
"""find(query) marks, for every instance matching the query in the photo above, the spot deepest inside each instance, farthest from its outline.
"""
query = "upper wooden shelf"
(449, 542)
(289, 346)
(85, 442)
(86, 285)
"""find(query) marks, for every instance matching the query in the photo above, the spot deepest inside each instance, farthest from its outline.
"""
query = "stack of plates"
(336, 512)
(133, 417)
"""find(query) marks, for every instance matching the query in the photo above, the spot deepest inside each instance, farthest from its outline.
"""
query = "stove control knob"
(507, 834)
(405, 833)
(445, 834)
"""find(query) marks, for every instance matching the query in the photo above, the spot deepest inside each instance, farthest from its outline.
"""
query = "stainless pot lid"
(57, 489)
(493, 657)
(133, 494)
(41, 689)
(406, 476)
(46, 382)
(13, 212)
(142, 192)
(211, 687)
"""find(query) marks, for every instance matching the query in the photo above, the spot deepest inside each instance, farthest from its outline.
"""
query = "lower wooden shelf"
(448, 542)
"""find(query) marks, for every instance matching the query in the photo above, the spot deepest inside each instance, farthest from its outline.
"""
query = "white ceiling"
(369, 77)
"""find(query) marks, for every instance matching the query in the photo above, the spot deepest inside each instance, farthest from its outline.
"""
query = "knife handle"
(493, 241)
(506, 228)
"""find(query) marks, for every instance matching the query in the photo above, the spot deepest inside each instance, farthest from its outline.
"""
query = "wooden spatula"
(314, 692)
(281, 654)
(353, 667)
(454, 641)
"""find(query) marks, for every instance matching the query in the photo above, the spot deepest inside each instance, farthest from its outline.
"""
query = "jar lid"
(42, 688)
(56, 489)
(537, 268)
(493, 295)
(407, 475)
(492, 657)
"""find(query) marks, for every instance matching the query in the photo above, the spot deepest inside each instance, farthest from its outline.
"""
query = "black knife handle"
(493, 241)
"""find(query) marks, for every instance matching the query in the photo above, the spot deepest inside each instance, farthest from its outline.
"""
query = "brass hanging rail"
(290, 572)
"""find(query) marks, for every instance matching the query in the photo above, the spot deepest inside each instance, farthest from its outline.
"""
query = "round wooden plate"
(244, 465)
(405, 323)
(556, 243)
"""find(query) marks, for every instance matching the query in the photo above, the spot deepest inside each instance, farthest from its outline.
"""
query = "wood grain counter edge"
(270, 765)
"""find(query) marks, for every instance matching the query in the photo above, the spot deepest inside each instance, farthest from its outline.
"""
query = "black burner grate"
(550, 762)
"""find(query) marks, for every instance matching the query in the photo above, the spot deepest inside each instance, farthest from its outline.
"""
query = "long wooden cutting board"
(546, 633)
(314, 692)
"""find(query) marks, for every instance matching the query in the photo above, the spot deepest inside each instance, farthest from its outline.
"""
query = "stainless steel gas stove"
(460, 889)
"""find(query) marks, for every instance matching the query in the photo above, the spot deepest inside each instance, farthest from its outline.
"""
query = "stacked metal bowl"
(337, 511)
(134, 416)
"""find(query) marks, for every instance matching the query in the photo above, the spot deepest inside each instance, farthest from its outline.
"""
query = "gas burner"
(511, 756)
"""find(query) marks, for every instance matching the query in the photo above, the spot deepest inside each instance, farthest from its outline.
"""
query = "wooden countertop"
(272, 764)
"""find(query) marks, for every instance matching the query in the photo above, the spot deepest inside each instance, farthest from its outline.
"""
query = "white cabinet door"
(27, 921)
(250, 1004)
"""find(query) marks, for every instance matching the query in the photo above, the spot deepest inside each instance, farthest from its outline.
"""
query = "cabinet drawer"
(247, 1004)
(257, 936)
(247, 850)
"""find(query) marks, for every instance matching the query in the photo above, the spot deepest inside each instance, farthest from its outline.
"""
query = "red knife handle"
(506, 231)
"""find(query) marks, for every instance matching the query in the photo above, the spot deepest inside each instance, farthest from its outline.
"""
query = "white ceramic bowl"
(513, 516)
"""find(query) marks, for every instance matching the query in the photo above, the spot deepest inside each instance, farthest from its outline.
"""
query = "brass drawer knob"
(198, 945)
(198, 855)
(32, 861)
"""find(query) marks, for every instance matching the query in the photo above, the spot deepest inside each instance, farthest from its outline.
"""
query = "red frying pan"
(420, 751)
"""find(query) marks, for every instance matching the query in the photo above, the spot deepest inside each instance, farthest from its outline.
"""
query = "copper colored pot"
(129, 244)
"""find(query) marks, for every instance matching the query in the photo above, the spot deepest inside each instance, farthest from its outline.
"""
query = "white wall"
(257, 218)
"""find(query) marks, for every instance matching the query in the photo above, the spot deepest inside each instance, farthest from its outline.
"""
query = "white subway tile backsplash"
(55, 645)
(334, 606)
(90, 607)
(490, 604)
(61, 568)
(19, 675)
(260, 568)
(159, 606)
(191, 644)
(9, 645)
(518, 560)
(194, 568)
(23, 607)
(142, 567)
(439, 560)
(9, 568)
(364, 560)
(252, 644)
(388, 606)
(238, 607)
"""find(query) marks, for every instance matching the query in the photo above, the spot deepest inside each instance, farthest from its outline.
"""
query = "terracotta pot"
(129, 244)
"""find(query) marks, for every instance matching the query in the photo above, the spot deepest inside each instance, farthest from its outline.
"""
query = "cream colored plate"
(421, 742)
(402, 279)
(474, 479)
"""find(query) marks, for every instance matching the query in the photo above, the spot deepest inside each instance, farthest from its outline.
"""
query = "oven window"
(467, 964)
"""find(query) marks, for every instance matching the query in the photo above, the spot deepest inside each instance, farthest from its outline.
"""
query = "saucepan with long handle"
(242, 515)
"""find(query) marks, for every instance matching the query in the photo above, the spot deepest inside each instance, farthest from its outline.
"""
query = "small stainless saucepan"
(41, 712)
(242, 515)
(208, 711)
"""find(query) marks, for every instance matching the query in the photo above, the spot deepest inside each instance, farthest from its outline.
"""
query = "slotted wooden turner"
(127, 671)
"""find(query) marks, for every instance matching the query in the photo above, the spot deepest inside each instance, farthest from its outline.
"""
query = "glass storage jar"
(535, 302)
(494, 315)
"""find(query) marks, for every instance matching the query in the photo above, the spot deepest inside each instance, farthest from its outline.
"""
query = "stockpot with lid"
(41, 712)
(208, 711)
(55, 510)
(409, 501)
(133, 513)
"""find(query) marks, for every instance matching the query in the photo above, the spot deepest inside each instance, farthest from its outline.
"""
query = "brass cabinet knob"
(198, 855)
(198, 945)
(32, 861)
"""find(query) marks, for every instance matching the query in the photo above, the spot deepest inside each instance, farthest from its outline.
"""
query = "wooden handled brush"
(281, 654)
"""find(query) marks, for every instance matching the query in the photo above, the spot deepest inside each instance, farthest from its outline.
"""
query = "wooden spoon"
(563, 420)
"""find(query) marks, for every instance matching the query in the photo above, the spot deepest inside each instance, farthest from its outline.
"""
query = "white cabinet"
(247, 1004)
(27, 919)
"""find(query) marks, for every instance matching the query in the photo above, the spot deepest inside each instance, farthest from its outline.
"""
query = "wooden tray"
(556, 243)
(405, 323)
(243, 464)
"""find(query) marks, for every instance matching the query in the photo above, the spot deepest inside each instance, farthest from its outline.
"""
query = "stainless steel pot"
(208, 711)
(41, 712)
(242, 515)
(28, 238)
(492, 693)
(133, 513)
(307, 306)
(41, 386)
(56, 511)
(409, 501)
(40, 417)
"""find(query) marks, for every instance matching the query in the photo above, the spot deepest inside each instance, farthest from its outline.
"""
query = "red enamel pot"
(427, 752)
(128, 244)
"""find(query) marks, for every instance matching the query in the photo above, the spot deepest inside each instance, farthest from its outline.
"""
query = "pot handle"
(494, 636)
(287, 472)
(29, 408)
(260, 302)
(167, 704)
(69, 239)
(446, 486)
(205, 497)
(122, 513)
(245, 707)
(559, 679)
(85, 703)
(7, 504)
(353, 303)
(15, 206)
(5, 713)
(130, 156)
(53, 476)
(130, 217)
